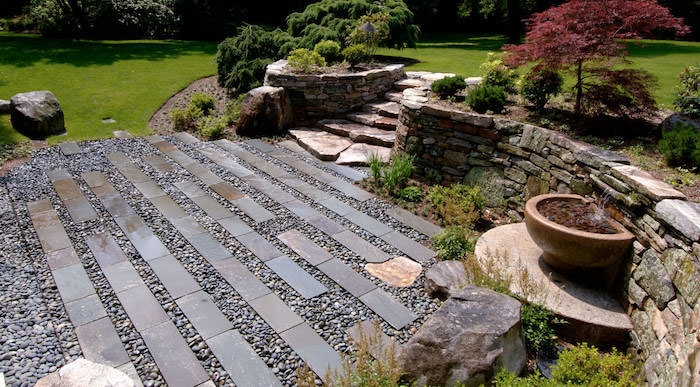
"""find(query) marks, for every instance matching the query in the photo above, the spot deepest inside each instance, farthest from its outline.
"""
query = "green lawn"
(123, 80)
(462, 54)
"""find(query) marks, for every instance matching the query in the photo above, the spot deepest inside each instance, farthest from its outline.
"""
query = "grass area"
(462, 54)
(123, 80)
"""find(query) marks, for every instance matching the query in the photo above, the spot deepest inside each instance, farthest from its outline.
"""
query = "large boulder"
(471, 337)
(36, 114)
(266, 110)
(445, 279)
(674, 120)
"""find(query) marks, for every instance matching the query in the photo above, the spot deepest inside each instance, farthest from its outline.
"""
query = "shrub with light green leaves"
(355, 54)
(484, 98)
(303, 60)
(328, 49)
(452, 243)
(687, 99)
(539, 86)
(457, 204)
(495, 73)
(205, 102)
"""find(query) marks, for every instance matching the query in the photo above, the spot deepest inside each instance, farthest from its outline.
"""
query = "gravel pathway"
(216, 217)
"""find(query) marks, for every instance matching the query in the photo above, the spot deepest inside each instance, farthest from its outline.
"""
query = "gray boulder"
(266, 110)
(470, 338)
(83, 372)
(675, 119)
(4, 106)
(36, 114)
(445, 279)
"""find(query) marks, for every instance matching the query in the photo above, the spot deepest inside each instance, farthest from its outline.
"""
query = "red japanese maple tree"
(588, 37)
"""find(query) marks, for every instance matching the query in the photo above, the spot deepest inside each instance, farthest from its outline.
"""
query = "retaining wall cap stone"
(682, 215)
(645, 183)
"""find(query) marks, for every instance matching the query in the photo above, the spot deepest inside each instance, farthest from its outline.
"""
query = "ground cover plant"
(123, 80)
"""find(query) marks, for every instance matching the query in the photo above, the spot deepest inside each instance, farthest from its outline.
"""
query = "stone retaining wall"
(318, 96)
(515, 161)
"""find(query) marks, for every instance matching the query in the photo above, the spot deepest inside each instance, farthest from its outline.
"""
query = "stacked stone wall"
(515, 161)
(318, 96)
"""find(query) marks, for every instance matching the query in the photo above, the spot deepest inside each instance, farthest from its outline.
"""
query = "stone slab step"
(384, 108)
(394, 96)
(359, 133)
(373, 119)
(359, 154)
(408, 83)
(321, 144)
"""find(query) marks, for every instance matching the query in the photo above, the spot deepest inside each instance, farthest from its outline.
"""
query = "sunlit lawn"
(462, 54)
(123, 80)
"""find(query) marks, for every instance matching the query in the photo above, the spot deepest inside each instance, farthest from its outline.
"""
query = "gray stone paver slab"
(367, 222)
(39, 206)
(122, 276)
(172, 274)
(301, 281)
(57, 174)
(73, 283)
(235, 226)
(336, 205)
(142, 307)
(123, 134)
(323, 223)
(311, 347)
(275, 313)
(67, 189)
(408, 246)
(361, 247)
(305, 247)
(101, 344)
(53, 238)
(206, 318)
(44, 219)
(203, 174)
(224, 161)
(212, 207)
(190, 189)
(116, 205)
(188, 226)
(346, 277)
(227, 191)
(62, 258)
(301, 209)
(174, 358)
(146, 243)
(242, 363)
(85, 310)
(131, 372)
(259, 246)
(257, 212)
(105, 249)
(251, 159)
(149, 189)
(242, 280)
(69, 148)
(159, 163)
(261, 145)
(186, 138)
(388, 308)
(80, 210)
(351, 190)
(209, 247)
(415, 222)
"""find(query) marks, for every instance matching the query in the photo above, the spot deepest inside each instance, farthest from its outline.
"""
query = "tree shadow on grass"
(26, 50)
(658, 48)
(464, 42)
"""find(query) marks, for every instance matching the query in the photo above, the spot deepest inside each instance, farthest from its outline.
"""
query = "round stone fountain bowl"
(568, 248)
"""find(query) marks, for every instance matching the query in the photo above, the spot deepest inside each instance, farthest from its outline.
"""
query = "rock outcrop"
(37, 114)
(445, 279)
(470, 338)
(85, 373)
(266, 110)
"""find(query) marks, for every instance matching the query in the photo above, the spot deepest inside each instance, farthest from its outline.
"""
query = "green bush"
(540, 85)
(687, 99)
(371, 39)
(457, 204)
(537, 328)
(205, 102)
(211, 127)
(448, 86)
(411, 194)
(452, 243)
(495, 73)
(233, 109)
(681, 146)
(399, 170)
(186, 119)
(376, 167)
(355, 54)
(483, 98)
(303, 60)
(328, 49)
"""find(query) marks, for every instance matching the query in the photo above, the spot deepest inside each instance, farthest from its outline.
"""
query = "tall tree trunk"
(513, 21)
(579, 87)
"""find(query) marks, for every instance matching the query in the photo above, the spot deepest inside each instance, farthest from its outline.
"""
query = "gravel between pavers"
(37, 336)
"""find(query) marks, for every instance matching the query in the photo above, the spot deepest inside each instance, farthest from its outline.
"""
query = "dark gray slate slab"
(415, 222)
(367, 222)
(132, 173)
(235, 226)
(275, 313)
(326, 225)
(209, 247)
(259, 246)
(242, 363)
(212, 207)
(53, 238)
(73, 283)
(351, 190)
(85, 310)
(105, 249)
(94, 179)
(188, 226)
(149, 189)
(300, 209)
(80, 210)
(58, 174)
(308, 169)
(67, 189)
(304, 284)
(224, 161)
(122, 276)
(62, 258)
(69, 148)
(100, 343)
(261, 145)
(202, 173)
(186, 138)
(142, 307)
(168, 207)
(238, 276)
(256, 212)
(116, 205)
(174, 358)
(346, 277)
(305, 247)
(39, 206)
(311, 347)
(203, 314)
(397, 315)
(361, 247)
(251, 159)
(172, 274)
(408, 246)
(118, 158)
(279, 195)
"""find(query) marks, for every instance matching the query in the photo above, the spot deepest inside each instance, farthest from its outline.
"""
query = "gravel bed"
(37, 336)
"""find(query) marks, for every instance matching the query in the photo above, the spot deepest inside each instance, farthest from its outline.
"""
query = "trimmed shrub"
(452, 243)
(233, 109)
(448, 86)
(355, 54)
(495, 73)
(687, 99)
(539, 86)
(483, 98)
(457, 204)
(205, 102)
(584, 365)
(303, 60)
(681, 146)
(411, 194)
(328, 49)
(185, 119)
(211, 127)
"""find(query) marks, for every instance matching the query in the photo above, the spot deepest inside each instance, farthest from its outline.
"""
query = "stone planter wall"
(318, 96)
(514, 161)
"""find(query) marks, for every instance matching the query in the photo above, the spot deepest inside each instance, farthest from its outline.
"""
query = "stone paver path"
(264, 243)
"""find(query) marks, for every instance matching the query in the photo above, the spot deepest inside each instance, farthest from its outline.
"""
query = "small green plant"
(495, 73)
(204, 102)
(355, 54)
(12, 151)
(211, 127)
(487, 274)
(458, 204)
(483, 98)
(411, 194)
(537, 327)
(399, 170)
(538, 86)
(185, 119)
(376, 166)
(328, 49)
(687, 98)
(303, 60)
(371, 30)
(233, 109)
(448, 86)
(681, 146)
(452, 243)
